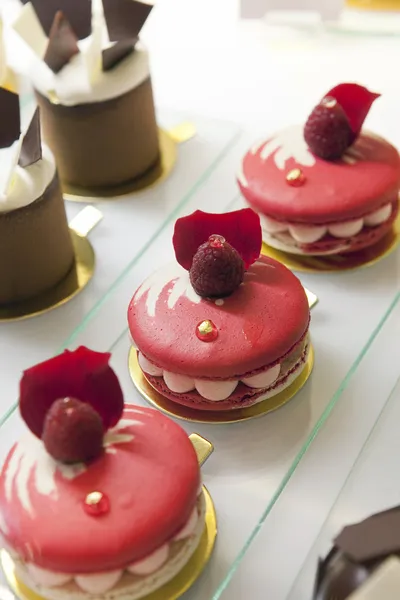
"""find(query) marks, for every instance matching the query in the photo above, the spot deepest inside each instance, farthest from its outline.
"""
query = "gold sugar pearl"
(97, 504)
(205, 327)
(94, 498)
(206, 331)
(295, 177)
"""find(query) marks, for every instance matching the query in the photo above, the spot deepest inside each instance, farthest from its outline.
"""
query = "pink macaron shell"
(149, 473)
(257, 324)
(366, 178)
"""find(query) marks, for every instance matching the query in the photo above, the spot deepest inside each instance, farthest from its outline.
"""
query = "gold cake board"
(170, 591)
(154, 176)
(338, 262)
(173, 409)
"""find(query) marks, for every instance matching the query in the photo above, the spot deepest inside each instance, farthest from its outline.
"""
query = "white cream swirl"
(82, 80)
(28, 184)
(129, 74)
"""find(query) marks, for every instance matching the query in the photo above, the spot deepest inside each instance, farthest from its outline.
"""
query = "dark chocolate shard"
(112, 56)
(62, 44)
(31, 150)
(78, 13)
(125, 18)
(372, 539)
(10, 122)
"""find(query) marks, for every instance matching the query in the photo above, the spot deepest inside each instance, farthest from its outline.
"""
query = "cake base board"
(338, 262)
(153, 176)
(170, 591)
(70, 286)
(173, 409)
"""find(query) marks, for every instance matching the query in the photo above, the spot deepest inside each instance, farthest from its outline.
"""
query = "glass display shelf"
(254, 461)
(128, 227)
(372, 485)
(282, 551)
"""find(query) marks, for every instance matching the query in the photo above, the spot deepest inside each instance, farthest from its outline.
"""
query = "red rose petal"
(82, 374)
(356, 102)
(240, 228)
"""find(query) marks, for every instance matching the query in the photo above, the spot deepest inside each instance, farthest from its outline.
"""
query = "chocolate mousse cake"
(364, 561)
(36, 250)
(92, 80)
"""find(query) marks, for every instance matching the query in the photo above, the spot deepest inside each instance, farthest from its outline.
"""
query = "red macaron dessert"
(99, 500)
(327, 187)
(223, 327)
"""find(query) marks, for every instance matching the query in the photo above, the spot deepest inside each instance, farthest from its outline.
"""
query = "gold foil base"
(338, 262)
(154, 176)
(374, 4)
(183, 132)
(203, 447)
(312, 298)
(170, 591)
(173, 409)
(70, 286)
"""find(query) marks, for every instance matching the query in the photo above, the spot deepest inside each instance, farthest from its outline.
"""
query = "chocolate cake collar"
(111, 57)
(125, 18)
(31, 149)
(10, 123)
(374, 538)
(63, 44)
(77, 12)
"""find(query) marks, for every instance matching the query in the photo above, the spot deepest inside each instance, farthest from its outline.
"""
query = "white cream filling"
(308, 234)
(296, 371)
(212, 390)
(100, 583)
(28, 184)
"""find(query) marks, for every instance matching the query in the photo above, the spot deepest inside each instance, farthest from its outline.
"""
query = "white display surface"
(372, 485)
(205, 62)
(279, 551)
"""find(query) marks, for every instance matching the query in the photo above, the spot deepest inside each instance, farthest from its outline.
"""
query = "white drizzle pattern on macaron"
(177, 279)
(31, 462)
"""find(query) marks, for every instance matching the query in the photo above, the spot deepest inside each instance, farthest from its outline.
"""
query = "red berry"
(327, 131)
(73, 431)
(217, 268)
